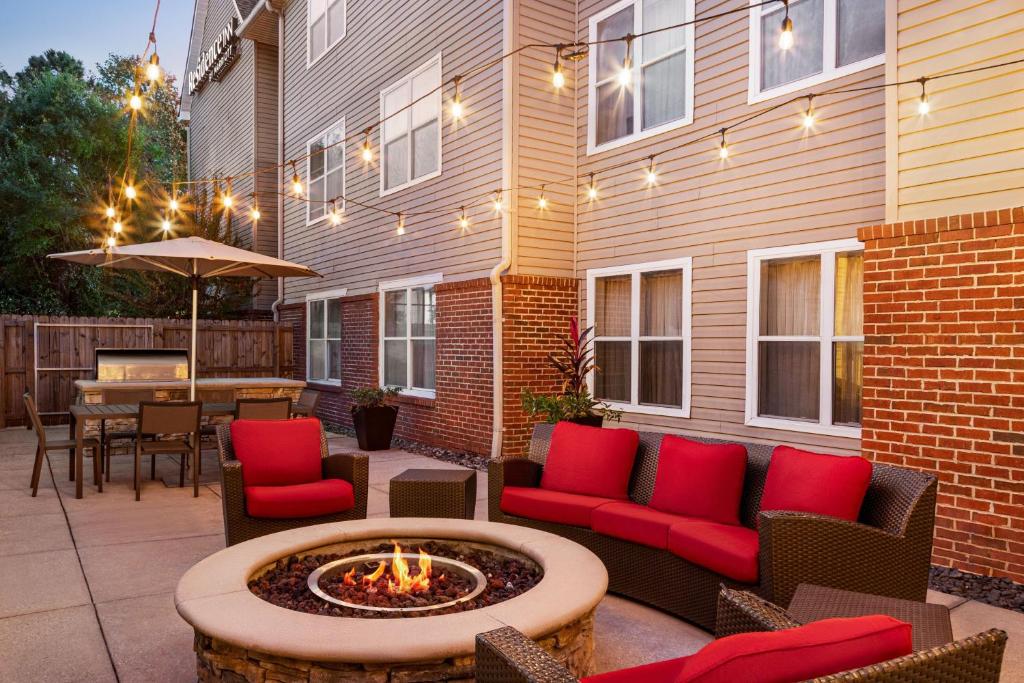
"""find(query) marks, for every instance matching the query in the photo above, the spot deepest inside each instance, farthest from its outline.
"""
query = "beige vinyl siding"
(779, 187)
(967, 155)
(385, 41)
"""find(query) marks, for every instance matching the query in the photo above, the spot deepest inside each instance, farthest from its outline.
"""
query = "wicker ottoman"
(434, 493)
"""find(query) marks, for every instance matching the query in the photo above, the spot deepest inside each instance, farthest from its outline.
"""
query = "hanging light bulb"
(254, 212)
(109, 212)
(165, 225)
(335, 215)
(542, 200)
(923, 106)
(173, 204)
(367, 150)
(497, 203)
(723, 148)
(626, 72)
(111, 241)
(153, 72)
(296, 182)
(651, 175)
(809, 115)
(463, 219)
(592, 188)
(457, 108)
(786, 35)
(558, 76)
(130, 192)
(225, 198)
(118, 227)
(135, 102)
(400, 228)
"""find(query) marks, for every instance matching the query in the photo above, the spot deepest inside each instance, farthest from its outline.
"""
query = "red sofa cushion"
(802, 481)
(277, 452)
(699, 479)
(817, 649)
(726, 549)
(313, 499)
(592, 461)
(550, 506)
(634, 522)
(658, 672)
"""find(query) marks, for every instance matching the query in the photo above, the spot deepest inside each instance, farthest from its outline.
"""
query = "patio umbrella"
(192, 257)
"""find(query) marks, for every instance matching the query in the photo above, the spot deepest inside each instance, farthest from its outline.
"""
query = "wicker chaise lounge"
(886, 552)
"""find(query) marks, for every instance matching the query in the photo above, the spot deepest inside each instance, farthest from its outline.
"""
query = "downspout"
(497, 312)
(280, 151)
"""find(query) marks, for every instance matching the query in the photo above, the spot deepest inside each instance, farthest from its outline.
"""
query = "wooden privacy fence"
(46, 354)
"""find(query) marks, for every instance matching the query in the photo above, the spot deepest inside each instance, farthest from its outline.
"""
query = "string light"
(592, 188)
(809, 116)
(296, 182)
(254, 212)
(334, 215)
(109, 212)
(135, 102)
(457, 108)
(400, 229)
(153, 72)
(367, 149)
(786, 35)
(542, 200)
(558, 76)
(497, 203)
(111, 241)
(225, 198)
(463, 219)
(130, 192)
(626, 72)
(652, 175)
(165, 225)
(723, 148)
(173, 204)
(923, 106)
(118, 227)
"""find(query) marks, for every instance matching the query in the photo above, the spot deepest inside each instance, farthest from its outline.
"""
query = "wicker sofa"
(507, 656)
(240, 526)
(887, 552)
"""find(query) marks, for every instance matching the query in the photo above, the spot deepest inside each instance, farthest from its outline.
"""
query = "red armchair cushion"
(591, 461)
(726, 549)
(700, 480)
(817, 649)
(324, 497)
(634, 522)
(277, 452)
(801, 481)
(658, 672)
(550, 506)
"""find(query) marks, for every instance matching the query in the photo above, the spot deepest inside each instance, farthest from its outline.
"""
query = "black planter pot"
(374, 426)
(588, 420)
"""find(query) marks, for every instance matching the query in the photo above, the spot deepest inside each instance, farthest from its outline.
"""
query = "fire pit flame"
(401, 579)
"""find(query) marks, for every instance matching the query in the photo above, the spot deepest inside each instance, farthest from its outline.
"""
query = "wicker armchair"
(239, 526)
(507, 656)
(886, 552)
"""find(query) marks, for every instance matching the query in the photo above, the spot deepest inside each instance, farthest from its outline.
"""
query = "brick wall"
(536, 310)
(944, 375)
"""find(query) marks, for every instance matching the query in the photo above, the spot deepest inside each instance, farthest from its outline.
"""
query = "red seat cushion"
(817, 649)
(550, 506)
(591, 461)
(802, 481)
(658, 672)
(726, 549)
(634, 522)
(700, 480)
(277, 452)
(314, 499)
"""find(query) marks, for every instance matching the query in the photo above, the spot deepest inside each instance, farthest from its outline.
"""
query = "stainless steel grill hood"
(141, 365)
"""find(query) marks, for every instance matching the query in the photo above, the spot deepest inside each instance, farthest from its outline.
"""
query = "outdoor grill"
(141, 365)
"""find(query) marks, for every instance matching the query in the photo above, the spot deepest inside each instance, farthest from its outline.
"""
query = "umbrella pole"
(192, 356)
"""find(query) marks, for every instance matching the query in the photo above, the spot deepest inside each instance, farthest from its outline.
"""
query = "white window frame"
(310, 298)
(407, 80)
(685, 264)
(829, 70)
(826, 335)
(406, 284)
(340, 123)
(310, 59)
(638, 63)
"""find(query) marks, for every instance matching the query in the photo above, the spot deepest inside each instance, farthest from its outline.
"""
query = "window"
(325, 172)
(323, 336)
(658, 95)
(326, 22)
(411, 120)
(832, 38)
(408, 331)
(805, 345)
(641, 319)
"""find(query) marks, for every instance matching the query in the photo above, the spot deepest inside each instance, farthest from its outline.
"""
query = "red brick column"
(944, 375)
(536, 311)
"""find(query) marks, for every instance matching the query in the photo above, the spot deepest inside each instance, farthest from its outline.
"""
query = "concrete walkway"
(86, 586)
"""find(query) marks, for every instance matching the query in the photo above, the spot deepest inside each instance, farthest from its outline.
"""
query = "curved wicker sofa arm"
(975, 659)
(353, 468)
(743, 612)
(508, 472)
(798, 547)
(507, 656)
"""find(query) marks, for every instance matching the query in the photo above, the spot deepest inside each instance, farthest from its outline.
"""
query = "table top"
(435, 475)
(115, 410)
(931, 624)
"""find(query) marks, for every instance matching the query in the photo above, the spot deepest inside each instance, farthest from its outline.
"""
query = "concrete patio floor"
(86, 586)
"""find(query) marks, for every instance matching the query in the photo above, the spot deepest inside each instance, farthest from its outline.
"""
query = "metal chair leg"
(138, 471)
(181, 471)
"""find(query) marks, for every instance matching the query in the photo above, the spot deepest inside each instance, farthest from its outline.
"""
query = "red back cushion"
(817, 649)
(592, 461)
(277, 452)
(700, 480)
(802, 481)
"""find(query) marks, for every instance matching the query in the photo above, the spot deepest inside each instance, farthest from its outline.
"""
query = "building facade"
(735, 280)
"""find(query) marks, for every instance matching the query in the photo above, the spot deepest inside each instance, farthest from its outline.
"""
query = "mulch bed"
(991, 590)
(285, 584)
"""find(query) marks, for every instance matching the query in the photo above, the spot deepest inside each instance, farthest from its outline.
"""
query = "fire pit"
(316, 604)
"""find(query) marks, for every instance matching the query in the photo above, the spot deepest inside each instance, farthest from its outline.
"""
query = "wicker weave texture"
(744, 612)
(507, 656)
(431, 496)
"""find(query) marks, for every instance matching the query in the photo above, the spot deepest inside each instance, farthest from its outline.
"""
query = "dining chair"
(307, 404)
(116, 396)
(208, 432)
(263, 408)
(45, 444)
(175, 428)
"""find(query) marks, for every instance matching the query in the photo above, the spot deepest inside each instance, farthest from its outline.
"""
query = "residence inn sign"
(216, 60)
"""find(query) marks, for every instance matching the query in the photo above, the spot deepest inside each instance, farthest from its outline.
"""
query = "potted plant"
(573, 360)
(373, 418)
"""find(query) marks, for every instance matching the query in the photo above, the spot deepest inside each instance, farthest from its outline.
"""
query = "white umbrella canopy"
(192, 257)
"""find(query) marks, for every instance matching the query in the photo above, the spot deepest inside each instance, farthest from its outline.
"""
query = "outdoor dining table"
(99, 412)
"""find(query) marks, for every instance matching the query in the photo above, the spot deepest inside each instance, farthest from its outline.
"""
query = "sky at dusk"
(91, 29)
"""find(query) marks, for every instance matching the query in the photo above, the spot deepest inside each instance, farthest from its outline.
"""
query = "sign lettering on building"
(216, 60)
